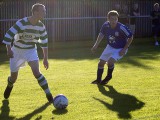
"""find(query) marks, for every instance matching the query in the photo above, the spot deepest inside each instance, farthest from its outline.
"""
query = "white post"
(94, 29)
(53, 31)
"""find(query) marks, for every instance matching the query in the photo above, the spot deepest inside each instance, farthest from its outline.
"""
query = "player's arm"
(129, 37)
(129, 41)
(100, 36)
(123, 51)
(9, 51)
(136, 13)
(44, 45)
(99, 39)
(8, 38)
(45, 58)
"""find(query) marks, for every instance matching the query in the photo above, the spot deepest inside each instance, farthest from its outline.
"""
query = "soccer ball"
(60, 101)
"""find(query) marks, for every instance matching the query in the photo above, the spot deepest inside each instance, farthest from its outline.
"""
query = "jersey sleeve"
(8, 38)
(103, 28)
(43, 38)
(127, 32)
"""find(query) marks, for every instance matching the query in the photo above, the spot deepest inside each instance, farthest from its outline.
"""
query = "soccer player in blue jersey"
(119, 38)
(24, 35)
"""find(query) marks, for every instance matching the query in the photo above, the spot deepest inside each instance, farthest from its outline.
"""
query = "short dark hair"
(36, 6)
(112, 13)
(156, 4)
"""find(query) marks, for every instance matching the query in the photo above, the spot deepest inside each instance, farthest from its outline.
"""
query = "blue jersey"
(117, 37)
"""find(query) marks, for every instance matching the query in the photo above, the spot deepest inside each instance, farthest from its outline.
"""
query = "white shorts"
(21, 56)
(110, 52)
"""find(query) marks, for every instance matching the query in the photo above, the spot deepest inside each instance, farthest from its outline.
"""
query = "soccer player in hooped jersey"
(25, 34)
(119, 38)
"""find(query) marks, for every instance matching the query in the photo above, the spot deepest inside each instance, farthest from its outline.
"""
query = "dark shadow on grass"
(123, 104)
(137, 54)
(39, 110)
(59, 112)
(5, 110)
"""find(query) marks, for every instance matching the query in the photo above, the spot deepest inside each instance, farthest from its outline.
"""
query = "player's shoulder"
(106, 24)
(120, 24)
(125, 29)
(22, 20)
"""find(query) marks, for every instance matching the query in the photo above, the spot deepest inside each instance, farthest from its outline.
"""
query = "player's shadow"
(36, 111)
(123, 104)
(5, 110)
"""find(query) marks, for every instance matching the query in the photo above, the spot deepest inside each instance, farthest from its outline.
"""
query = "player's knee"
(13, 79)
(111, 66)
(101, 64)
(111, 62)
(36, 74)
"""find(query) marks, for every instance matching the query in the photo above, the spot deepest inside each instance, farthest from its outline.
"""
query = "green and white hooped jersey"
(25, 35)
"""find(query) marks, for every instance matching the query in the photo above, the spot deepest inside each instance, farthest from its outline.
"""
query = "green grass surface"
(133, 92)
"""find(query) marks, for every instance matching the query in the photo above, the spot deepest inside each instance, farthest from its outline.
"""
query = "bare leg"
(11, 80)
(13, 76)
(111, 62)
(99, 71)
(41, 79)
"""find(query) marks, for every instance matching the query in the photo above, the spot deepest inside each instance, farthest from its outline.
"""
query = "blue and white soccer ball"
(60, 101)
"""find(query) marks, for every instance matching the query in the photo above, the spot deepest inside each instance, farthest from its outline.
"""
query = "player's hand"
(122, 52)
(10, 53)
(45, 63)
